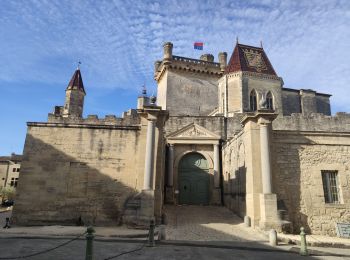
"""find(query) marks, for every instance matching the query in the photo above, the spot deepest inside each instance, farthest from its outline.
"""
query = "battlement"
(205, 64)
(196, 61)
(129, 118)
(314, 122)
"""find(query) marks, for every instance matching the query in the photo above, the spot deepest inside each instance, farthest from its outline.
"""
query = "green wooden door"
(193, 180)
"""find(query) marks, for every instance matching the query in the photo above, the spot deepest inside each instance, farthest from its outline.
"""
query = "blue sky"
(307, 42)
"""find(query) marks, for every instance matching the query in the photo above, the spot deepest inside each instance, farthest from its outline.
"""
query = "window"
(13, 169)
(330, 186)
(269, 101)
(252, 99)
(17, 169)
(13, 182)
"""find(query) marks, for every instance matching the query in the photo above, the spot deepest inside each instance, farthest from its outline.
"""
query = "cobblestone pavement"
(207, 223)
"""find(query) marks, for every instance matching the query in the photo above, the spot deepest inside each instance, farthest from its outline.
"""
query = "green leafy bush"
(8, 193)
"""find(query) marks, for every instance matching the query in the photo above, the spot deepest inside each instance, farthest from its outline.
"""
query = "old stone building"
(222, 133)
(9, 170)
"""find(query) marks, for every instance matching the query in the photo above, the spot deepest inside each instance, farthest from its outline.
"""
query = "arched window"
(269, 101)
(252, 99)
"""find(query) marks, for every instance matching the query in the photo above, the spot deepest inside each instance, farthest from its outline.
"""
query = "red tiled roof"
(76, 81)
(249, 58)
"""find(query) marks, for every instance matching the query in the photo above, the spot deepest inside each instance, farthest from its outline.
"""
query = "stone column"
(170, 165)
(216, 197)
(148, 176)
(268, 200)
(265, 158)
(216, 166)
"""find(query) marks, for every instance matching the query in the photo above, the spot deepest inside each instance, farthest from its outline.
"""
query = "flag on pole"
(198, 45)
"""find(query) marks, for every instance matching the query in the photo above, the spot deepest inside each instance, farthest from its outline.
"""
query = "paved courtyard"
(207, 223)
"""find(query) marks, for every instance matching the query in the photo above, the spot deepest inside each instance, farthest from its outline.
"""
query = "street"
(13, 247)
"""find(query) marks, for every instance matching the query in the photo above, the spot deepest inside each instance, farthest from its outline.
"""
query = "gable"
(193, 132)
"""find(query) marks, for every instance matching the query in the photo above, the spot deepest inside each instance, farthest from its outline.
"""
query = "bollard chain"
(45, 251)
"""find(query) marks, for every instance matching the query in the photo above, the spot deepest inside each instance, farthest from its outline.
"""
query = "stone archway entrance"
(193, 180)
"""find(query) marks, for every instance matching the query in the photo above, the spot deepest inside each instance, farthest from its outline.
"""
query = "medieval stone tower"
(75, 93)
(249, 77)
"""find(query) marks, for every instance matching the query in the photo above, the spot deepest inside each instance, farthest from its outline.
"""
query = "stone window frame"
(342, 182)
(269, 98)
(327, 186)
(253, 100)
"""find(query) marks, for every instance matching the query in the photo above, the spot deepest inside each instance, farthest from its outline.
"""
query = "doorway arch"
(193, 179)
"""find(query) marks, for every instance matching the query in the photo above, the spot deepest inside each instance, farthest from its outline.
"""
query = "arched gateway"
(193, 180)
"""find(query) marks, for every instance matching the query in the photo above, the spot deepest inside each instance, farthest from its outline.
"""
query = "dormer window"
(269, 101)
(252, 101)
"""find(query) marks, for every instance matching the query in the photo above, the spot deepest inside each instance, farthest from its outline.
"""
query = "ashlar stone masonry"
(219, 133)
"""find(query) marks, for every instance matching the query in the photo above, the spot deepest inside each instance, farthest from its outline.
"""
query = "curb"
(136, 237)
(312, 244)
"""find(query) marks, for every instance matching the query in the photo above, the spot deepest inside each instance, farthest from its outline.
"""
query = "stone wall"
(305, 101)
(323, 105)
(3, 173)
(314, 122)
(74, 171)
(188, 93)
(291, 101)
(235, 89)
(234, 175)
(298, 159)
(262, 85)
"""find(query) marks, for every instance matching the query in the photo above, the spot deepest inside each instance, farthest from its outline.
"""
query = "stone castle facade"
(222, 133)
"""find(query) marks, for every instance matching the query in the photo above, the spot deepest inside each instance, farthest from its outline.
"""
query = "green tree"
(7, 193)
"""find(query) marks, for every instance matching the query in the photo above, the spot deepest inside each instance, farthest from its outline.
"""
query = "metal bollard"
(151, 234)
(303, 246)
(273, 237)
(161, 233)
(247, 221)
(89, 243)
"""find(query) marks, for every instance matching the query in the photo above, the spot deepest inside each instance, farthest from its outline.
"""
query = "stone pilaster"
(169, 192)
(216, 166)
(265, 158)
(217, 188)
(261, 203)
(148, 176)
(268, 200)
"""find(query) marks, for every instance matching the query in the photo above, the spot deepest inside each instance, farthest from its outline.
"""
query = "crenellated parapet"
(129, 118)
(204, 65)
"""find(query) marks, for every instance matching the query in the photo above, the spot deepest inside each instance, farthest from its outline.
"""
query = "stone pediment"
(193, 132)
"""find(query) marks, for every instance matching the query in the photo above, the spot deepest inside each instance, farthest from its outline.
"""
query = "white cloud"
(307, 41)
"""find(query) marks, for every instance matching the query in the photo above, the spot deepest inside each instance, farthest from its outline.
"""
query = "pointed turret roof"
(249, 58)
(76, 81)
